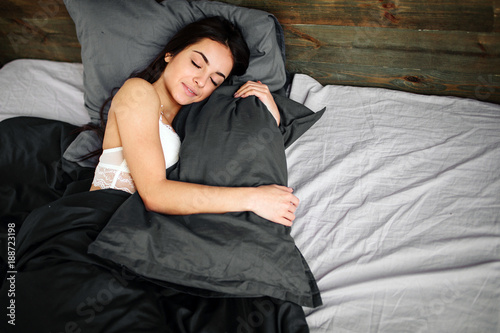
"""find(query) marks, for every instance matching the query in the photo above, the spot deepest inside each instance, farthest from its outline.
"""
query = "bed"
(399, 216)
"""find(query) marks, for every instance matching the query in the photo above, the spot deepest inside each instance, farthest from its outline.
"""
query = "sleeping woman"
(139, 142)
(61, 288)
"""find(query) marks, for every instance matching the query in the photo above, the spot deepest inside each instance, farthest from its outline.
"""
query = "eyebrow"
(208, 63)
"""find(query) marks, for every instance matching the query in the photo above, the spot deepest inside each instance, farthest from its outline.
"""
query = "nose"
(201, 80)
(198, 82)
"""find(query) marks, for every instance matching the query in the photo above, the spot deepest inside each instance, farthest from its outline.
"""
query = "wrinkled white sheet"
(42, 88)
(400, 210)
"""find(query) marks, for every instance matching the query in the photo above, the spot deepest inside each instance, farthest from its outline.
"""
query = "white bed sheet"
(400, 199)
(42, 88)
(400, 210)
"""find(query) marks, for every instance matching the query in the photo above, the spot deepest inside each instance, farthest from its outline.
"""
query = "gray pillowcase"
(225, 142)
(120, 37)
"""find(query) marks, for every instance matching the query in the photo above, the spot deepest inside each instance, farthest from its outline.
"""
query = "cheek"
(208, 91)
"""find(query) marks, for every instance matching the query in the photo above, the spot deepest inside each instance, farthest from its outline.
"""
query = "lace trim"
(111, 178)
(168, 126)
(112, 170)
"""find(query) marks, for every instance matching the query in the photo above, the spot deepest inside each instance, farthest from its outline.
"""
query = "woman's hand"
(261, 91)
(275, 203)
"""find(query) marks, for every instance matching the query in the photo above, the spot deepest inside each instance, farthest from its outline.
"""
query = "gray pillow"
(120, 37)
(225, 142)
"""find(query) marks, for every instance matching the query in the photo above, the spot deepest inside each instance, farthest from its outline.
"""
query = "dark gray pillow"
(225, 142)
(119, 37)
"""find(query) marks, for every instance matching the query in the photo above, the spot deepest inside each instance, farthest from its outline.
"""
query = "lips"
(190, 92)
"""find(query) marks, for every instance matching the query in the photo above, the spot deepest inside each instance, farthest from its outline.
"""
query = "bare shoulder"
(134, 93)
(137, 83)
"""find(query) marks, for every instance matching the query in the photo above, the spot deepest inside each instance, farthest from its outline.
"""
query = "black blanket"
(32, 172)
(60, 288)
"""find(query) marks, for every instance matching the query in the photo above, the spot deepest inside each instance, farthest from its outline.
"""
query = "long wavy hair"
(215, 28)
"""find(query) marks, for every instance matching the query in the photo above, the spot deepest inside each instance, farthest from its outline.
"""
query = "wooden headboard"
(429, 47)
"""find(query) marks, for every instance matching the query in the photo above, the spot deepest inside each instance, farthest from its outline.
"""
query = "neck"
(169, 108)
(168, 116)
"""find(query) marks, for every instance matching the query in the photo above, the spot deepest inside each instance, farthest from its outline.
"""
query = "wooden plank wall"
(430, 47)
(427, 46)
(37, 29)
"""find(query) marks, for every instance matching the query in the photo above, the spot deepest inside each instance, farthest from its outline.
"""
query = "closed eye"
(198, 66)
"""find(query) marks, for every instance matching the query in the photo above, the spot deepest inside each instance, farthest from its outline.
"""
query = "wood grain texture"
(39, 29)
(429, 47)
(433, 62)
(464, 15)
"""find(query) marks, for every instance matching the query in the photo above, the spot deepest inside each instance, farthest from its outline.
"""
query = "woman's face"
(194, 73)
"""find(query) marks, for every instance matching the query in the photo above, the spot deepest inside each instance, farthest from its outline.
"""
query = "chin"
(184, 100)
(190, 100)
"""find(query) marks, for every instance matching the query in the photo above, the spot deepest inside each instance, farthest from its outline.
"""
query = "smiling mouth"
(189, 91)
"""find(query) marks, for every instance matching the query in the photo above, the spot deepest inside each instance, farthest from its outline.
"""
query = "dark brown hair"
(215, 28)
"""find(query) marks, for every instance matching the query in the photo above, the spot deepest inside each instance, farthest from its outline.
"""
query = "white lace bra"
(112, 170)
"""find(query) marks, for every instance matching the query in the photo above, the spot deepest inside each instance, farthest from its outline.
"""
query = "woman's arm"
(262, 92)
(135, 109)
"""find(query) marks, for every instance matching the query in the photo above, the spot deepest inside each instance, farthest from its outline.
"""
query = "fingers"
(262, 92)
(293, 199)
(285, 221)
(278, 205)
(289, 198)
(288, 215)
(291, 202)
(252, 88)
